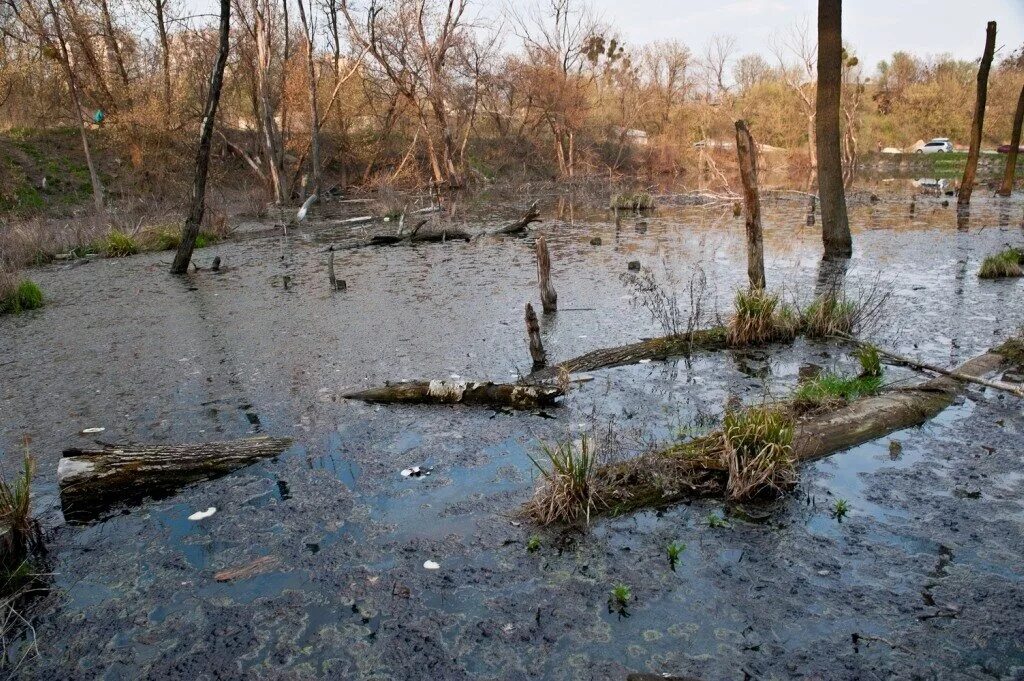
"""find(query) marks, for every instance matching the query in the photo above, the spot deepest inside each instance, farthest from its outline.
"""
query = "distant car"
(939, 145)
(1005, 149)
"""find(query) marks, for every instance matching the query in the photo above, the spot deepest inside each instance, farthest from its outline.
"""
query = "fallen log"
(93, 480)
(520, 225)
(698, 468)
(486, 394)
(662, 348)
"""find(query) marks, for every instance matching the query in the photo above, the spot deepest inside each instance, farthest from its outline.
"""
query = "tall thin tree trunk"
(967, 184)
(747, 152)
(835, 224)
(1011, 158)
(271, 143)
(165, 55)
(197, 205)
(314, 112)
(76, 103)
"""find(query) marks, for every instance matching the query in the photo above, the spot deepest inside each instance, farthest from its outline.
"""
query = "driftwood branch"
(520, 225)
(487, 394)
(92, 480)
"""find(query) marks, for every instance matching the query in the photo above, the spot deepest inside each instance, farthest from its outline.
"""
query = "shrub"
(759, 451)
(1003, 264)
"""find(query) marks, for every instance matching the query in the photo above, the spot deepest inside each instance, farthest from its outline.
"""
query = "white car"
(939, 145)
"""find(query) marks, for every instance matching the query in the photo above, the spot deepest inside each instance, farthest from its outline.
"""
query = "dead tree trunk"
(540, 358)
(548, 297)
(92, 480)
(1011, 158)
(747, 152)
(197, 205)
(313, 188)
(515, 396)
(835, 224)
(967, 184)
(520, 225)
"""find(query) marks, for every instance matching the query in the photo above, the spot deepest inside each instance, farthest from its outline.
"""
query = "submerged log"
(487, 394)
(662, 348)
(92, 480)
(520, 225)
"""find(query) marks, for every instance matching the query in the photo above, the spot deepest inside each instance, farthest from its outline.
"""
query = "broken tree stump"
(478, 393)
(540, 358)
(93, 480)
(548, 297)
(520, 225)
(747, 152)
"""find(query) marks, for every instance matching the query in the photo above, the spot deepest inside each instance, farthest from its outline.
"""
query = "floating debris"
(199, 515)
(262, 564)
(416, 472)
(431, 565)
(90, 431)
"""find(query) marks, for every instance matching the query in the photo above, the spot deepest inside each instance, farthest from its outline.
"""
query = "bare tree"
(835, 225)
(967, 184)
(799, 76)
(197, 202)
(715, 63)
(309, 33)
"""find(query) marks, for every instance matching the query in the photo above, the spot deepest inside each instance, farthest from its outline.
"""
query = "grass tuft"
(533, 544)
(162, 238)
(119, 244)
(829, 315)
(1006, 263)
(620, 596)
(568, 495)
(632, 201)
(760, 318)
(840, 509)
(21, 532)
(759, 451)
(18, 296)
(829, 391)
(870, 361)
(675, 550)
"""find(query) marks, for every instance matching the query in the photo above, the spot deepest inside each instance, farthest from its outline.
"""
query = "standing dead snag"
(548, 297)
(1011, 158)
(92, 480)
(747, 152)
(540, 358)
(967, 184)
(190, 232)
(835, 224)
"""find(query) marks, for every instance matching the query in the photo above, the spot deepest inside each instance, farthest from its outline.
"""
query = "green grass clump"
(16, 514)
(533, 544)
(1013, 348)
(1003, 264)
(632, 201)
(162, 239)
(761, 318)
(829, 315)
(716, 521)
(568, 496)
(118, 244)
(759, 450)
(675, 550)
(19, 297)
(829, 391)
(870, 361)
(620, 596)
(840, 508)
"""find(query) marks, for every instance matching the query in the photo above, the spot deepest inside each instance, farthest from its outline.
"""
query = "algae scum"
(313, 565)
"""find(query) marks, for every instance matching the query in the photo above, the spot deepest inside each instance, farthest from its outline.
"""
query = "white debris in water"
(407, 472)
(199, 515)
(90, 431)
(431, 565)
(455, 377)
(645, 361)
(415, 472)
(447, 391)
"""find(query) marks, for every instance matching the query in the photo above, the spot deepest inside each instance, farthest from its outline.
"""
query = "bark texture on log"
(537, 354)
(1011, 158)
(548, 297)
(747, 152)
(653, 349)
(835, 224)
(967, 184)
(520, 225)
(92, 480)
(487, 394)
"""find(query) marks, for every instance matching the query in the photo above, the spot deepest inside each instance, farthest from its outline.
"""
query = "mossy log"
(92, 480)
(512, 395)
(653, 348)
(697, 469)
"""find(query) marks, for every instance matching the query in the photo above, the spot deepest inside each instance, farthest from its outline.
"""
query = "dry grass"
(568, 494)
(761, 318)
(21, 532)
(759, 451)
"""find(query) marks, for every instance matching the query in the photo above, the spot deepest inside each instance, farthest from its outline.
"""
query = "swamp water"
(929, 558)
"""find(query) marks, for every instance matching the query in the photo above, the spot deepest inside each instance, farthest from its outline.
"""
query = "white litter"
(645, 361)
(199, 515)
(90, 431)
(431, 565)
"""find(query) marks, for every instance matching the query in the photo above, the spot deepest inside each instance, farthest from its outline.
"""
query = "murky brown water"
(153, 358)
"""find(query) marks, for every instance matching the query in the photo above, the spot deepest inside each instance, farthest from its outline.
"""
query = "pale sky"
(875, 28)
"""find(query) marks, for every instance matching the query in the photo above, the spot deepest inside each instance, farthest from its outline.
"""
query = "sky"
(875, 28)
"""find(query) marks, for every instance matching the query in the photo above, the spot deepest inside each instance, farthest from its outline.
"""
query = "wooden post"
(967, 185)
(548, 297)
(752, 203)
(540, 358)
(1011, 158)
